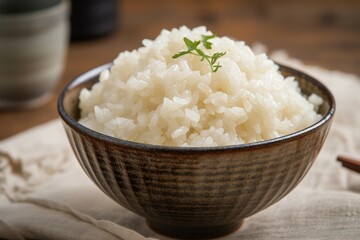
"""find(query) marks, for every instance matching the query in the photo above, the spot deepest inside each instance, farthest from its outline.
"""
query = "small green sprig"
(193, 48)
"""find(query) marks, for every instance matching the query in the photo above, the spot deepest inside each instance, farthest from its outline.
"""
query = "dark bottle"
(93, 18)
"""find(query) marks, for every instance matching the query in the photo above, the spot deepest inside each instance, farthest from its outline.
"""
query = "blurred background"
(322, 33)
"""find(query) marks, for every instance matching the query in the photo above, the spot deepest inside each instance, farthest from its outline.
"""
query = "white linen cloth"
(44, 194)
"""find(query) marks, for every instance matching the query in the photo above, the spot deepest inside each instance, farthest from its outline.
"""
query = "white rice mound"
(149, 97)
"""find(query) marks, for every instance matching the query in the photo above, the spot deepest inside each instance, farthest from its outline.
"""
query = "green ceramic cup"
(33, 45)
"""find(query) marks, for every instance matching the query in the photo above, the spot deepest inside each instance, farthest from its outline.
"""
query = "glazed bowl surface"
(33, 49)
(195, 192)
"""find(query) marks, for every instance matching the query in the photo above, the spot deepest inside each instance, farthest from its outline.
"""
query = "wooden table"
(324, 33)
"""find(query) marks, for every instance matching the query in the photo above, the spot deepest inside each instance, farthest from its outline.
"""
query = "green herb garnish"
(193, 48)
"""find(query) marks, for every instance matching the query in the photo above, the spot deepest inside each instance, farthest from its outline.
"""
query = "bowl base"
(27, 103)
(194, 232)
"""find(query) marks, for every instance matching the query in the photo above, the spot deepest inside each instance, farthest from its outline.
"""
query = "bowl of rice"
(195, 132)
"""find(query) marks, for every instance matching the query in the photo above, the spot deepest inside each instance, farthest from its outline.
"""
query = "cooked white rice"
(149, 97)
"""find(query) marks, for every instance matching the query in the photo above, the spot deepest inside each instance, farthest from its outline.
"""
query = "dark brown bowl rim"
(149, 147)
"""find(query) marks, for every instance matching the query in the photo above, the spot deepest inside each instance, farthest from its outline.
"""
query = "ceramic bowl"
(195, 192)
(33, 48)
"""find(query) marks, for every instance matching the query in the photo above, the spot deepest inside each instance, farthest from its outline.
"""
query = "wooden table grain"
(323, 33)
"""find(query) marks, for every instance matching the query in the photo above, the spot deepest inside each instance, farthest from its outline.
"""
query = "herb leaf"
(190, 44)
(192, 47)
(216, 56)
(205, 40)
(180, 54)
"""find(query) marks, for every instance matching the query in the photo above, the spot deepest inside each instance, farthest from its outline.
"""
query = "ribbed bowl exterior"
(198, 188)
